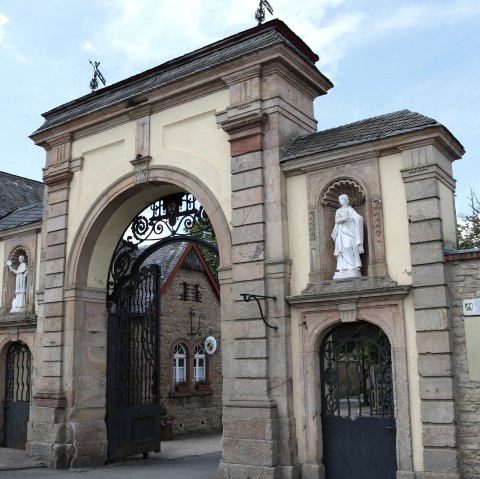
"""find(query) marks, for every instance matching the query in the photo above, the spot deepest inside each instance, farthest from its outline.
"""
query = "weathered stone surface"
(438, 412)
(424, 209)
(249, 161)
(56, 223)
(422, 253)
(435, 365)
(250, 349)
(433, 342)
(464, 281)
(249, 197)
(251, 368)
(250, 252)
(248, 234)
(439, 436)
(239, 471)
(428, 274)
(248, 271)
(431, 319)
(436, 388)
(430, 297)
(248, 215)
(430, 230)
(250, 451)
(418, 190)
(440, 460)
(248, 179)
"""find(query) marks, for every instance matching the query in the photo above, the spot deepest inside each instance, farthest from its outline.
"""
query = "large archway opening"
(163, 300)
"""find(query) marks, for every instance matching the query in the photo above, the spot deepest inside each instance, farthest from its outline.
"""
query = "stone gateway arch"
(233, 125)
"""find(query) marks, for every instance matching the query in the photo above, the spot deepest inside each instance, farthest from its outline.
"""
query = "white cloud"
(88, 47)
(3, 22)
(148, 32)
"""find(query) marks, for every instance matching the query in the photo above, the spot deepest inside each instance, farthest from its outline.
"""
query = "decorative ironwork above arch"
(178, 215)
(343, 187)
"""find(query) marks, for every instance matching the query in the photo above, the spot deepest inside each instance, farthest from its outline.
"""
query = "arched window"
(179, 364)
(199, 364)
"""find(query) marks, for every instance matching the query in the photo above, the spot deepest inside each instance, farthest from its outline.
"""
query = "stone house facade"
(196, 410)
(232, 125)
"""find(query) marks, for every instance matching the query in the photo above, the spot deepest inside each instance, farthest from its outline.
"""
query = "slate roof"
(363, 131)
(167, 257)
(226, 50)
(18, 194)
(22, 216)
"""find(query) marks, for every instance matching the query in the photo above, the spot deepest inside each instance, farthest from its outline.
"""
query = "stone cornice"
(355, 289)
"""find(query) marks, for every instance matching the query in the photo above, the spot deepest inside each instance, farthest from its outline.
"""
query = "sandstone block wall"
(464, 283)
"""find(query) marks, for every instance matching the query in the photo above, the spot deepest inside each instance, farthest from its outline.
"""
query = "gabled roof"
(376, 128)
(173, 256)
(223, 51)
(18, 194)
(22, 216)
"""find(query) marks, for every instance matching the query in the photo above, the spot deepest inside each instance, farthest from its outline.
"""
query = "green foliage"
(468, 228)
(205, 232)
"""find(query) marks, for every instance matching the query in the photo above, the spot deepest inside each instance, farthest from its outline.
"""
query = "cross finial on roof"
(260, 13)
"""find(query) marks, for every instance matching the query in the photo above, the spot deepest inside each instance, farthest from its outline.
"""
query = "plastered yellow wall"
(397, 250)
(185, 137)
(395, 219)
(297, 211)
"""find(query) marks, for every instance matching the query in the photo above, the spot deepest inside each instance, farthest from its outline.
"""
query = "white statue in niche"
(348, 237)
(19, 303)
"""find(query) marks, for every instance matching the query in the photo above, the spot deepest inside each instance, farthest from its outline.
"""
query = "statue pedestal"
(347, 273)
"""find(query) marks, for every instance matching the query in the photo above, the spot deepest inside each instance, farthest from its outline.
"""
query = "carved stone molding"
(140, 168)
(246, 133)
(346, 187)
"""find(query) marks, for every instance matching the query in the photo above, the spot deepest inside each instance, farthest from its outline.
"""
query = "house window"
(179, 364)
(199, 364)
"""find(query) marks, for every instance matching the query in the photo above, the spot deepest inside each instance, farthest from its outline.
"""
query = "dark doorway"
(357, 403)
(17, 397)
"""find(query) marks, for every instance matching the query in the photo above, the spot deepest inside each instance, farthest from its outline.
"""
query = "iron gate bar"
(133, 409)
(360, 356)
(17, 395)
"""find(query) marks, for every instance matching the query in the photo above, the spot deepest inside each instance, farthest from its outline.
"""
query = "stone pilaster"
(49, 436)
(259, 425)
(426, 168)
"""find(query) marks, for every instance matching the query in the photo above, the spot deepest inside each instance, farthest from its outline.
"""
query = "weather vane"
(96, 74)
(260, 13)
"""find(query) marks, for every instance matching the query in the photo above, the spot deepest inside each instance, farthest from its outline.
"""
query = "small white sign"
(471, 307)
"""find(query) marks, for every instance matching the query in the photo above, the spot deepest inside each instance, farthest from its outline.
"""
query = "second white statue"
(348, 237)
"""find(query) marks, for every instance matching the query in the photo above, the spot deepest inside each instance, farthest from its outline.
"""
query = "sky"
(381, 55)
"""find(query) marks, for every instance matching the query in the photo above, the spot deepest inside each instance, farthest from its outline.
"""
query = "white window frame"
(199, 364)
(179, 363)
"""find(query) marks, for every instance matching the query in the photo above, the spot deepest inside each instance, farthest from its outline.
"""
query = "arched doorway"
(17, 395)
(134, 410)
(358, 419)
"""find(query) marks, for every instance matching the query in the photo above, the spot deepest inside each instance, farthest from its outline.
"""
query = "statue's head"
(21, 258)
(343, 199)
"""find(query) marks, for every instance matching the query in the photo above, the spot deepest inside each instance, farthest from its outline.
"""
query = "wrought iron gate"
(357, 403)
(133, 410)
(17, 395)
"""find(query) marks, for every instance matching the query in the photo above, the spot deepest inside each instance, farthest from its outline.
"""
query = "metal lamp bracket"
(247, 297)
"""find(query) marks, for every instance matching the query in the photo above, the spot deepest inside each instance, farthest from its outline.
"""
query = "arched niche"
(361, 183)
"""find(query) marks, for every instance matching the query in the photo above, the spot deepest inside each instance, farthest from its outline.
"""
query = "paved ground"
(192, 456)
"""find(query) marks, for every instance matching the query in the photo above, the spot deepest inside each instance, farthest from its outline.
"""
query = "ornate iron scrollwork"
(356, 372)
(176, 215)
